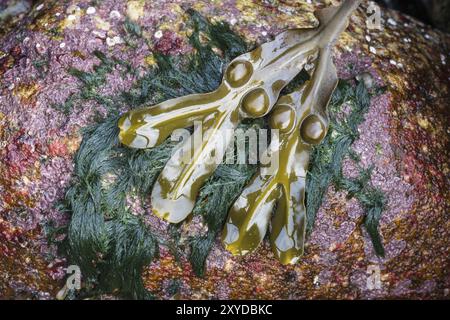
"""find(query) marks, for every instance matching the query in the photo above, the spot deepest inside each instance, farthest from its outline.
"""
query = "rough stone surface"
(405, 136)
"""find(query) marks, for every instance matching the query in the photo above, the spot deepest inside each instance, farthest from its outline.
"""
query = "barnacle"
(250, 88)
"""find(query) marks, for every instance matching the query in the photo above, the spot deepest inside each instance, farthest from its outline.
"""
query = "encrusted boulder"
(67, 65)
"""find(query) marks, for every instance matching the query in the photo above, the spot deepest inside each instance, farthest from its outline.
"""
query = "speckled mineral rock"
(405, 136)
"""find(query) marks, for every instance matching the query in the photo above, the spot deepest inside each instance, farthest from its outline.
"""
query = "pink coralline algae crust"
(405, 137)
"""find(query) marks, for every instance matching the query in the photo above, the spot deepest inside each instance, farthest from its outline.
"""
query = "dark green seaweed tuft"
(327, 158)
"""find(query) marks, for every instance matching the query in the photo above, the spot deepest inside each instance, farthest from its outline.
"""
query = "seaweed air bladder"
(250, 89)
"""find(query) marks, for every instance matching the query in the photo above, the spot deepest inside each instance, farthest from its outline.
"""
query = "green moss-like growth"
(108, 242)
(112, 244)
(92, 82)
(327, 158)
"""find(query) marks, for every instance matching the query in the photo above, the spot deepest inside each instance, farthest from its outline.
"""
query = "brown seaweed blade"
(250, 88)
(302, 121)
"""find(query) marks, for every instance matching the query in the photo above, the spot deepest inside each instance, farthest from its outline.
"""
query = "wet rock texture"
(405, 136)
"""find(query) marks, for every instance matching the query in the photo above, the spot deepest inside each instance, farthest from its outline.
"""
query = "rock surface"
(405, 136)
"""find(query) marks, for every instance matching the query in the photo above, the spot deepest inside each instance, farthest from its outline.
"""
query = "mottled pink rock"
(405, 136)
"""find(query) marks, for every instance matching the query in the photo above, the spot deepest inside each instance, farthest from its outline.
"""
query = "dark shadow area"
(432, 12)
(12, 12)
